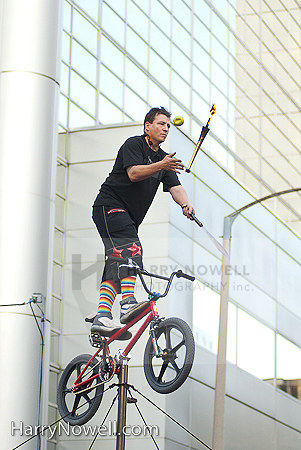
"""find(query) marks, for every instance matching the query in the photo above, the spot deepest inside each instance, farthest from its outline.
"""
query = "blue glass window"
(181, 11)
(135, 78)
(111, 56)
(161, 16)
(137, 20)
(78, 118)
(111, 86)
(67, 17)
(180, 89)
(180, 63)
(85, 32)
(134, 106)
(181, 37)
(64, 82)
(201, 84)
(160, 42)
(90, 7)
(119, 7)
(82, 93)
(84, 62)
(107, 112)
(201, 58)
(157, 97)
(136, 47)
(112, 23)
(66, 47)
(159, 69)
(203, 11)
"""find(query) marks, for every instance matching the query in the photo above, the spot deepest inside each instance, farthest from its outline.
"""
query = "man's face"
(159, 129)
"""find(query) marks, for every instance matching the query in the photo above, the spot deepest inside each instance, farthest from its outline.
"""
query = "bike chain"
(103, 382)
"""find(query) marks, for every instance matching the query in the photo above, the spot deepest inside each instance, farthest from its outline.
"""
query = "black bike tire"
(171, 386)
(65, 413)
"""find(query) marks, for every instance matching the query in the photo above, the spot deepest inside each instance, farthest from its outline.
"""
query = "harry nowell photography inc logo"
(59, 429)
(203, 272)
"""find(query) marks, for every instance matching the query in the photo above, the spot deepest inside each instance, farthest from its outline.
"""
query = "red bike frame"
(153, 312)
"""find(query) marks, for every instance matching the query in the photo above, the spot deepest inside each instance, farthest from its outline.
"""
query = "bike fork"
(157, 349)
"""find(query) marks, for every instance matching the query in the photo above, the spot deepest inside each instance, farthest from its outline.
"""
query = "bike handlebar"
(181, 274)
(128, 262)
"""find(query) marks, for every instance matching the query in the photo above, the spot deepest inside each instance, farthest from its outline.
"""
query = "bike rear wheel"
(77, 408)
(167, 373)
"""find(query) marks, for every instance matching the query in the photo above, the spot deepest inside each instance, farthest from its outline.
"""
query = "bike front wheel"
(78, 406)
(168, 372)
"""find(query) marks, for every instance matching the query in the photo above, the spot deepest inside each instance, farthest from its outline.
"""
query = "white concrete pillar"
(30, 34)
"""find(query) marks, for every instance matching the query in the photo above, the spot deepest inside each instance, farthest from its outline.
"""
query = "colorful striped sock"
(127, 286)
(108, 292)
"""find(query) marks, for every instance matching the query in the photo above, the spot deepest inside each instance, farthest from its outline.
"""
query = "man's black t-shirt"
(119, 191)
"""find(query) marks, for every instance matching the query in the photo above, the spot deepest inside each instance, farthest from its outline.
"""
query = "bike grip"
(181, 274)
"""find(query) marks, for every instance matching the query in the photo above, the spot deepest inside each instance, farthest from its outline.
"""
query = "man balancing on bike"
(123, 201)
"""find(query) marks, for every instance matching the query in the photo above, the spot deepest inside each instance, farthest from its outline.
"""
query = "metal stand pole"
(220, 383)
(122, 400)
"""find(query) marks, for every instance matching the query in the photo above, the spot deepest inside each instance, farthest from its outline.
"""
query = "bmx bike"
(168, 356)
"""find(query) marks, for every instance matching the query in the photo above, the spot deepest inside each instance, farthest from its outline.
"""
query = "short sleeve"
(169, 180)
(132, 152)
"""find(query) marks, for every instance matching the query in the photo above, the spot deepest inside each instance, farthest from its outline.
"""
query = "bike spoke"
(86, 374)
(162, 371)
(75, 404)
(177, 347)
(167, 337)
(175, 366)
(86, 397)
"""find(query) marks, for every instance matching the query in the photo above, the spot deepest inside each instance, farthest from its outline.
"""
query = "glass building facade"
(120, 58)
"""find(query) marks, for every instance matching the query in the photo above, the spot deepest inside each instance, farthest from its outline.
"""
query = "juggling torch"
(203, 134)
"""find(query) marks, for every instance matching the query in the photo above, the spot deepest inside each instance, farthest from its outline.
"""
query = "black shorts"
(119, 234)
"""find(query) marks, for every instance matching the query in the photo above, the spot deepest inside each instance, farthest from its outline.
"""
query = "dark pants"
(119, 234)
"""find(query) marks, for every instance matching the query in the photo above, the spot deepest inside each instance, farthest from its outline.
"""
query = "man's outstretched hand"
(171, 163)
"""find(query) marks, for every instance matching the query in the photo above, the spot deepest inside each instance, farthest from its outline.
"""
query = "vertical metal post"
(39, 421)
(122, 400)
(220, 381)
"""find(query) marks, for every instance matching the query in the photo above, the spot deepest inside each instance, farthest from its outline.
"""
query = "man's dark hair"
(152, 113)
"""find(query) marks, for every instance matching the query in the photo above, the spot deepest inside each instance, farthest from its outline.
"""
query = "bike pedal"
(96, 340)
